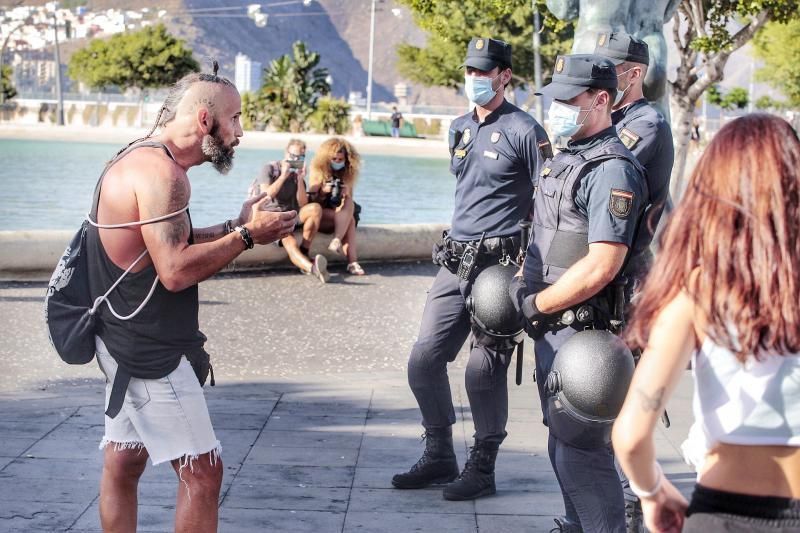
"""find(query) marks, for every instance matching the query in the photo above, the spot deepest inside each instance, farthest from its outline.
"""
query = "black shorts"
(717, 510)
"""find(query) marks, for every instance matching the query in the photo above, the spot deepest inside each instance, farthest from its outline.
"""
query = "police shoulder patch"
(620, 203)
(628, 138)
(545, 149)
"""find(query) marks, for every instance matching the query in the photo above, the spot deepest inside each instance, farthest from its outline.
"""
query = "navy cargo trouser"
(444, 328)
(589, 481)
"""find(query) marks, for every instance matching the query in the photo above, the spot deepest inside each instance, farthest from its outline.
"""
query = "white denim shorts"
(168, 417)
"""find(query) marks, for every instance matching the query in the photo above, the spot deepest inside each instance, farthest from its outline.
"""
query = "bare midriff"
(754, 470)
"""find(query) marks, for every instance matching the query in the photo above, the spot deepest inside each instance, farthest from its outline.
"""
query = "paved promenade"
(311, 406)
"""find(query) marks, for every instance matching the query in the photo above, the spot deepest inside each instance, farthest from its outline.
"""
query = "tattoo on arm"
(206, 235)
(175, 230)
(654, 402)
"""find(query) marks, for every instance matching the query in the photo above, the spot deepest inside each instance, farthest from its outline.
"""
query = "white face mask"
(563, 118)
(621, 93)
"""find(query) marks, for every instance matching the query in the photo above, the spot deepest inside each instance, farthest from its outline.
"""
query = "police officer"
(495, 155)
(587, 207)
(644, 131)
(647, 134)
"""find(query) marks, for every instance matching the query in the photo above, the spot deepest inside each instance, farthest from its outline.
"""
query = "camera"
(295, 165)
(335, 199)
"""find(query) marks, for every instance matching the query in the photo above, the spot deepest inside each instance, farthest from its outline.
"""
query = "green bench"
(382, 128)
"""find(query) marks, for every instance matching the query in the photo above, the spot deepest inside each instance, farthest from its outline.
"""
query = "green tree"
(736, 98)
(706, 33)
(332, 116)
(6, 86)
(714, 96)
(452, 23)
(292, 85)
(766, 102)
(778, 46)
(146, 59)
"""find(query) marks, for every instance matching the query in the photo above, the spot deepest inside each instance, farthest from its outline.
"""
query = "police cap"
(574, 74)
(485, 54)
(620, 47)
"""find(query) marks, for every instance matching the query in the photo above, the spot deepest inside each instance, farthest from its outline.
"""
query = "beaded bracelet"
(246, 237)
(656, 488)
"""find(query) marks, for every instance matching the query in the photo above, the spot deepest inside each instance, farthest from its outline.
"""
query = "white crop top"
(755, 403)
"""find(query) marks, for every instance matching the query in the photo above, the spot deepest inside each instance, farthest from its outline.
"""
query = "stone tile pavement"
(314, 455)
(313, 421)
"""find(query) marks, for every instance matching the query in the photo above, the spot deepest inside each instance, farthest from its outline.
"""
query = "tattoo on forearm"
(654, 402)
(206, 235)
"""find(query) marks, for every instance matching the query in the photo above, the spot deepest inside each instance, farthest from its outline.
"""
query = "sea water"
(49, 184)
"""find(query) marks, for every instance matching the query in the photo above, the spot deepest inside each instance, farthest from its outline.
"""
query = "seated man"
(284, 182)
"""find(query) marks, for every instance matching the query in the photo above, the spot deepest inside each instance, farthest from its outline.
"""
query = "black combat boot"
(565, 526)
(477, 479)
(634, 518)
(437, 465)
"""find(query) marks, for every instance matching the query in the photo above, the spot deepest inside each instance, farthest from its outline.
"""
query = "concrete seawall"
(30, 255)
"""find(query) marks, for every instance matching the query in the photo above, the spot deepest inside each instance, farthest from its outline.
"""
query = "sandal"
(336, 246)
(355, 269)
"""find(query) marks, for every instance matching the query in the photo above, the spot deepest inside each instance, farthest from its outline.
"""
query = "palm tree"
(292, 85)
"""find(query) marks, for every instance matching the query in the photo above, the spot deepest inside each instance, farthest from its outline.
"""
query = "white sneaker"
(319, 268)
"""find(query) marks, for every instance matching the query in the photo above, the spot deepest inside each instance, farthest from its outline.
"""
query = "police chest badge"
(620, 203)
(495, 136)
(628, 138)
(467, 136)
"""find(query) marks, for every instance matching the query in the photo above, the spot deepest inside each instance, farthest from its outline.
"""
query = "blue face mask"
(621, 92)
(337, 165)
(478, 89)
(563, 119)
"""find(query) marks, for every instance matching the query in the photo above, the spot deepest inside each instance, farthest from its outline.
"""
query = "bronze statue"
(641, 18)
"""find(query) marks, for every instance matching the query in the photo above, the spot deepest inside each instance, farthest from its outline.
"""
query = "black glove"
(517, 291)
(535, 320)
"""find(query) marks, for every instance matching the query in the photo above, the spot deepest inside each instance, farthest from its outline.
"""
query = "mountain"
(338, 29)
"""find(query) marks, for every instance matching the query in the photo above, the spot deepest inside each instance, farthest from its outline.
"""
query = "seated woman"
(284, 182)
(333, 174)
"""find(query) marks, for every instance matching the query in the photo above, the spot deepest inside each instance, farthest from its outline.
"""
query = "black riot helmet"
(586, 387)
(495, 321)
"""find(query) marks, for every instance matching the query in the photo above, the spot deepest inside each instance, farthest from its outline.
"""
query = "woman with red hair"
(724, 294)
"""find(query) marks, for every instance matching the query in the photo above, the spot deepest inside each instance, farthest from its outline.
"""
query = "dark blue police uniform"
(592, 191)
(647, 134)
(496, 163)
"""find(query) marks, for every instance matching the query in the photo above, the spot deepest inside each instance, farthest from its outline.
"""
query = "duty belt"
(494, 246)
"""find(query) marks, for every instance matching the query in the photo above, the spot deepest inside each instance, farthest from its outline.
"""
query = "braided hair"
(176, 93)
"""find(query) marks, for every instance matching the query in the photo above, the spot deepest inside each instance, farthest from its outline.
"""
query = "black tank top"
(149, 345)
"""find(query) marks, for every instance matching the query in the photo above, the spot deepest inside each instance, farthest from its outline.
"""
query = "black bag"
(201, 364)
(68, 304)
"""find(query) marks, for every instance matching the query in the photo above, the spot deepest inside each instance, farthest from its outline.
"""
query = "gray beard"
(219, 155)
